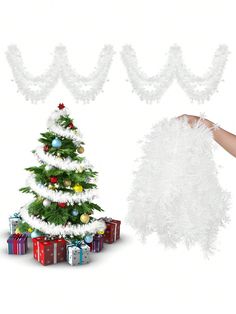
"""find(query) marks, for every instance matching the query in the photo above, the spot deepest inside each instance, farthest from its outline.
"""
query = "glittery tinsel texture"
(198, 88)
(37, 88)
(176, 193)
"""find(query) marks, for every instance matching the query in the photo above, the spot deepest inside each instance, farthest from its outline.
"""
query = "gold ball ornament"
(17, 231)
(78, 188)
(84, 218)
(101, 232)
(80, 169)
(67, 183)
(30, 230)
(51, 187)
(80, 150)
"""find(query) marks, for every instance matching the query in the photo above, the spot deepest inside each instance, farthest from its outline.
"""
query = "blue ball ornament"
(88, 238)
(75, 212)
(36, 233)
(56, 143)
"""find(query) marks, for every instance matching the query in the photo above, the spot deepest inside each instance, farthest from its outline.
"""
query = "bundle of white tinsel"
(176, 193)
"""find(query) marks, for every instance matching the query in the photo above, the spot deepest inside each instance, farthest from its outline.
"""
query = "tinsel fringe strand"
(176, 193)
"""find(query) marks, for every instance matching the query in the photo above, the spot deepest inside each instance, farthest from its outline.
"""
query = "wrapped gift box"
(78, 254)
(49, 251)
(112, 232)
(17, 244)
(13, 222)
(97, 244)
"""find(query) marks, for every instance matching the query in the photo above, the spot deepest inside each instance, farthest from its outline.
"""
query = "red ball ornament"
(46, 148)
(71, 125)
(62, 205)
(61, 106)
(53, 180)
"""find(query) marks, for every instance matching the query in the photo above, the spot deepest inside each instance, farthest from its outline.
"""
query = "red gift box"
(48, 251)
(112, 232)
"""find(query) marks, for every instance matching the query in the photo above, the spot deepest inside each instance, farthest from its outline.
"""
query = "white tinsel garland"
(176, 193)
(199, 88)
(69, 230)
(66, 164)
(74, 135)
(59, 196)
(37, 88)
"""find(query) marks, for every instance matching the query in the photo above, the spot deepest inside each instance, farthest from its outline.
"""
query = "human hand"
(194, 119)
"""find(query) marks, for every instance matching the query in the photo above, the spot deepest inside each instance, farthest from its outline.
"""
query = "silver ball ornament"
(75, 212)
(47, 203)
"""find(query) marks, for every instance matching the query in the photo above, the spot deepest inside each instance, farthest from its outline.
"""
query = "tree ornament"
(46, 148)
(30, 230)
(80, 150)
(84, 218)
(40, 198)
(36, 233)
(71, 126)
(61, 106)
(17, 231)
(78, 188)
(67, 182)
(47, 203)
(88, 238)
(58, 154)
(75, 212)
(62, 205)
(101, 232)
(51, 187)
(53, 179)
(56, 143)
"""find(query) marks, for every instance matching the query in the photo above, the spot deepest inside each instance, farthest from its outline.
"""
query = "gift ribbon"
(81, 256)
(38, 251)
(16, 215)
(80, 245)
(55, 252)
(106, 219)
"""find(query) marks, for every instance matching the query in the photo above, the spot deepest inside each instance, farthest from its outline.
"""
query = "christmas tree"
(63, 185)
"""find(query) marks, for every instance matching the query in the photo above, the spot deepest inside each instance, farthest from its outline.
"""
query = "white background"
(126, 276)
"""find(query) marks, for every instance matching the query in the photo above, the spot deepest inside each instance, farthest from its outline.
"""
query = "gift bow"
(106, 219)
(16, 215)
(77, 243)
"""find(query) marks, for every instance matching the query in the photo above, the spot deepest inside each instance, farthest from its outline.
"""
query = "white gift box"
(13, 223)
(78, 255)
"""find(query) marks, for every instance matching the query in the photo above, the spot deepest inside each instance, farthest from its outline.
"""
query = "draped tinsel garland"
(59, 196)
(176, 193)
(66, 164)
(67, 230)
(37, 88)
(199, 88)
